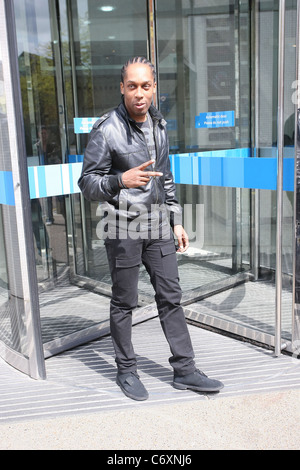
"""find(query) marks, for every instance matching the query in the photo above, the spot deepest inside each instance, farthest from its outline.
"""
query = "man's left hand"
(182, 237)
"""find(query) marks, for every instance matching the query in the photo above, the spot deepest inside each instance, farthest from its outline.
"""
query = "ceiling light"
(107, 8)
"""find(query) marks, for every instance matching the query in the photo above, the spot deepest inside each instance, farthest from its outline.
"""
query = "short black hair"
(137, 60)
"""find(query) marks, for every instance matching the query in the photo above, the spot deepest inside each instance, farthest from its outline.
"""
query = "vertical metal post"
(237, 192)
(280, 133)
(21, 193)
(296, 267)
(255, 193)
(70, 12)
(153, 43)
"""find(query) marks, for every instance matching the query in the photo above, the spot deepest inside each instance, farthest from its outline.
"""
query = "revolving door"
(227, 87)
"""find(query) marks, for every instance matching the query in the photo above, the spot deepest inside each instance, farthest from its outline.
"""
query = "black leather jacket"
(115, 145)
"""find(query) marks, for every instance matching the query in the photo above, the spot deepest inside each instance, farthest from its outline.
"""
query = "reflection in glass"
(4, 321)
(13, 331)
(267, 142)
(43, 119)
(102, 42)
(70, 57)
(204, 66)
(267, 126)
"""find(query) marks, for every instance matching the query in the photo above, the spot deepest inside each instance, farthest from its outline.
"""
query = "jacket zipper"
(149, 155)
(156, 154)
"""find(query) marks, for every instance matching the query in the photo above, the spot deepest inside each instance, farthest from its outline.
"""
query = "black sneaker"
(131, 386)
(198, 382)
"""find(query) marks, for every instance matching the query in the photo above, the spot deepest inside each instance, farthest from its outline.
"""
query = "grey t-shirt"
(157, 219)
(147, 129)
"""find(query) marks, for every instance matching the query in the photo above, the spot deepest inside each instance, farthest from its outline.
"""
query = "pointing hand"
(137, 176)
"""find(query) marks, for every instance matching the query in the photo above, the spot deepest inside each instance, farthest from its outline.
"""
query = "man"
(127, 168)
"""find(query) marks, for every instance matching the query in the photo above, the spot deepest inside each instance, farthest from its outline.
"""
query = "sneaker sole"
(129, 395)
(196, 389)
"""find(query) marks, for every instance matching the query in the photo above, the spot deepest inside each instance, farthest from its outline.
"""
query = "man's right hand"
(137, 176)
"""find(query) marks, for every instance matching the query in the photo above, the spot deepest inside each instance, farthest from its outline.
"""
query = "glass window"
(204, 78)
(267, 111)
(13, 332)
(38, 82)
(204, 67)
(44, 121)
(267, 125)
(103, 39)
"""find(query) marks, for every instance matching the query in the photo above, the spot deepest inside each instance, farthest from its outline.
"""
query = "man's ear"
(122, 88)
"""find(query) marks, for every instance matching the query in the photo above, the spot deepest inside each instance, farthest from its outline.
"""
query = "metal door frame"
(34, 364)
(296, 274)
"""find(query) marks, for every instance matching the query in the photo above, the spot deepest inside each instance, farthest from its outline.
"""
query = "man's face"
(138, 89)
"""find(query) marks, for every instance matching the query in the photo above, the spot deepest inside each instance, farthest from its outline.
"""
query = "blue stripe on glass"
(229, 171)
(71, 179)
(31, 179)
(224, 168)
(41, 171)
(288, 174)
(7, 188)
(76, 172)
(53, 180)
(75, 158)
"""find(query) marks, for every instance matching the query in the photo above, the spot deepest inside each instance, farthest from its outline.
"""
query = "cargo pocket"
(169, 260)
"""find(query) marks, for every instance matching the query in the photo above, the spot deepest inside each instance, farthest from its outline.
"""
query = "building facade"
(227, 85)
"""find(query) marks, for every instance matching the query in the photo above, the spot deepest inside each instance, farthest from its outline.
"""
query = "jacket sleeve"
(96, 183)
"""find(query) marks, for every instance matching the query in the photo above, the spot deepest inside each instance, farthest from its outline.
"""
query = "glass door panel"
(218, 84)
(204, 85)
(70, 58)
(43, 109)
(20, 333)
(103, 38)
(42, 37)
(266, 146)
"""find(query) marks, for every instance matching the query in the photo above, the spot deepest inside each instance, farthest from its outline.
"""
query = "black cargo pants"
(159, 258)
